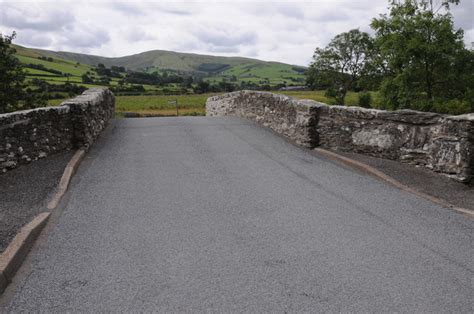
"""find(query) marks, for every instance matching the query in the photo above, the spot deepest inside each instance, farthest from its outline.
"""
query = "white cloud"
(136, 34)
(270, 30)
(34, 16)
(84, 37)
(220, 37)
(34, 39)
(127, 8)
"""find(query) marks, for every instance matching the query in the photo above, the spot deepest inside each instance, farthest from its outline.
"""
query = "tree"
(11, 75)
(86, 79)
(187, 82)
(340, 64)
(421, 53)
(202, 87)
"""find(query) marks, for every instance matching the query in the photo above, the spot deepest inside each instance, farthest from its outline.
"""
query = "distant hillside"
(52, 70)
(213, 67)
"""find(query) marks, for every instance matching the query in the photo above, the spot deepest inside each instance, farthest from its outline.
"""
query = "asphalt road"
(220, 215)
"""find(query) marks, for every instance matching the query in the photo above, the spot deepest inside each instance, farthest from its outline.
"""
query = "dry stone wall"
(29, 135)
(442, 143)
(296, 119)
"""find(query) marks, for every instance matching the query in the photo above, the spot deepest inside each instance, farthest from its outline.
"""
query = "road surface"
(220, 215)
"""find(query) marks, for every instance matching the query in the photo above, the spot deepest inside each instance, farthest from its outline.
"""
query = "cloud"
(290, 10)
(187, 46)
(127, 8)
(225, 49)
(31, 38)
(224, 38)
(270, 30)
(175, 11)
(136, 34)
(25, 16)
(249, 51)
(85, 38)
(464, 15)
(333, 17)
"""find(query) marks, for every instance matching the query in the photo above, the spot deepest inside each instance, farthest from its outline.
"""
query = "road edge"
(69, 171)
(384, 177)
(12, 258)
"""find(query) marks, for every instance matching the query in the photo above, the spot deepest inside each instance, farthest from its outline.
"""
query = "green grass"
(189, 104)
(161, 103)
(156, 104)
(32, 72)
(55, 102)
(60, 79)
(59, 65)
(275, 73)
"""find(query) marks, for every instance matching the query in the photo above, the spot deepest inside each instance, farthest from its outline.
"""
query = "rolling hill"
(214, 68)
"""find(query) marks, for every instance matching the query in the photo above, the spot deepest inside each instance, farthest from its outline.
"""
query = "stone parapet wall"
(90, 113)
(296, 119)
(442, 143)
(29, 135)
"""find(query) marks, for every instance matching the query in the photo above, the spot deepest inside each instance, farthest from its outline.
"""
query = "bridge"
(217, 214)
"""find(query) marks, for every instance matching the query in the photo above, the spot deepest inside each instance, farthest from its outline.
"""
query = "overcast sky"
(268, 30)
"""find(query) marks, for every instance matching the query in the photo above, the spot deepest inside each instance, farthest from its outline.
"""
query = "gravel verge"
(421, 179)
(25, 192)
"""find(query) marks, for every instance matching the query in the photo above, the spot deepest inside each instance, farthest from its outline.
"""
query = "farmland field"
(157, 104)
(274, 73)
(58, 65)
(195, 104)
(162, 104)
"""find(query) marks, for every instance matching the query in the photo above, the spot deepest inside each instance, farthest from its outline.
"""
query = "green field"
(195, 104)
(272, 72)
(161, 104)
(64, 66)
(157, 104)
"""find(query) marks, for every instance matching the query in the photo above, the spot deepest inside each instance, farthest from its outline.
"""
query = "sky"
(268, 30)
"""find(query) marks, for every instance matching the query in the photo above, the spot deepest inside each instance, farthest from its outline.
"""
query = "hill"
(212, 68)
